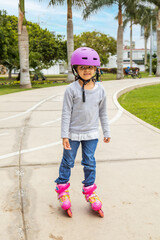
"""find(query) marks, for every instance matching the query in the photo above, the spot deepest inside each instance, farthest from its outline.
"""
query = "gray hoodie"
(80, 120)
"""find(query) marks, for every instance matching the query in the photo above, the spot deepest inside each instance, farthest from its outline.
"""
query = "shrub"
(109, 70)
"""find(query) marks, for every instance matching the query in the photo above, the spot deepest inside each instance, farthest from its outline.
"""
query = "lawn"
(6, 88)
(144, 103)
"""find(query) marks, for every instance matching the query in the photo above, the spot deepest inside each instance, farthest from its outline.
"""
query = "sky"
(54, 19)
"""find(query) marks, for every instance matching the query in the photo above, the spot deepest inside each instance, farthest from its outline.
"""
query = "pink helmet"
(85, 56)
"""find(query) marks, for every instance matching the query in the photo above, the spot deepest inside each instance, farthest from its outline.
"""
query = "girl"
(84, 103)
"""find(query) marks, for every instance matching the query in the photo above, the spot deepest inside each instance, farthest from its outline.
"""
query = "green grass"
(11, 89)
(144, 103)
(108, 77)
(6, 89)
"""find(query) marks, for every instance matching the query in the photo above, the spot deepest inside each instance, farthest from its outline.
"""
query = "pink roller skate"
(93, 199)
(64, 198)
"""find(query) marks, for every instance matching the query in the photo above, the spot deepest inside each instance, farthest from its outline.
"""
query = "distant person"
(127, 70)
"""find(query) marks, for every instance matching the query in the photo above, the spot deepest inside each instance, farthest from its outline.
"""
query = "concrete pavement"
(127, 172)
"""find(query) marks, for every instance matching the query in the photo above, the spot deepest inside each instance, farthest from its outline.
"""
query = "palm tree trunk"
(10, 73)
(120, 44)
(158, 44)
(145, 56)
(70, 41)
(131, 46)
(23, 43)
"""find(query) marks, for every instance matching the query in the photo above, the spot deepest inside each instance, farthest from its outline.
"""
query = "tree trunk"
(23, 43)
(145, 56)
(70, 41)
(24, 59)
(158, 44)
(120, 45)
(10, 74)
(131, 44)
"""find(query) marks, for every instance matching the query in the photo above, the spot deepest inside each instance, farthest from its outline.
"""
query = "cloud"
(10, 6)
(9, 3)
(43, 8)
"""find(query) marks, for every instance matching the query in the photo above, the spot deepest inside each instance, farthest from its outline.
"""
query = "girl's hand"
(66, 144)
(106, 140)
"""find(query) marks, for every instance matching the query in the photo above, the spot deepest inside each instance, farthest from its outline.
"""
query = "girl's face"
(86, 72)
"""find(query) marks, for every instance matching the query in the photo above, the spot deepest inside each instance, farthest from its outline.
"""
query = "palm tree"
(70, 39)
(23, 44)
(143, 17)
(157, 4)
(94, 6)
(140, 15)
(130, 16)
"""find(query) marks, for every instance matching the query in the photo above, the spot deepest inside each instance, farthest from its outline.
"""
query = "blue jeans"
(88, 161)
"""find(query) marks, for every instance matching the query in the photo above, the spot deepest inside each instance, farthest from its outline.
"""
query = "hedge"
(114, 70)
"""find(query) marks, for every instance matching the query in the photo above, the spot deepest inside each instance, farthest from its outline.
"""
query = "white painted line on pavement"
(120, 108)
(116, 101)
(30, 150)
(29, 110)
(48, 123)
(120, 111)
(48, 145)
(3, 134)
(115, 118)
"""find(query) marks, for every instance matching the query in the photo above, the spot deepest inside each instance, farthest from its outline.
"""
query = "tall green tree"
(23, 47)
(9, 56)
(143, 17)
(94, 6)
(101, 42)
(70, 41)
(45, 48)
(157, 4)
(130, 17)
(48, 46)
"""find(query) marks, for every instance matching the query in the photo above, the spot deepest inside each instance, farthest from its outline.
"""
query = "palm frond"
(56, 2)
(93, 6)
(153, 2)
(79, 3)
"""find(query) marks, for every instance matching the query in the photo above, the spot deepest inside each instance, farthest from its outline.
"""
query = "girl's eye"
(90, 67)
(87, 67)
(82, 67)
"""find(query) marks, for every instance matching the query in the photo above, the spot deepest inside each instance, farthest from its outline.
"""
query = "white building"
(58, 68)
(137, 56)
(53, 70)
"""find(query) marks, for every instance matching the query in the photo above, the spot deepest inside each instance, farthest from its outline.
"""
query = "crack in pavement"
(99, 161)
(20, 173)
(21, 191)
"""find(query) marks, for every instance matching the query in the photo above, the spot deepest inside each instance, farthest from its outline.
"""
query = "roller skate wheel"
(101, 213)
(69, 212)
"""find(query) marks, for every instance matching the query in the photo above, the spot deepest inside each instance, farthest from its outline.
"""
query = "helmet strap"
(83, 92)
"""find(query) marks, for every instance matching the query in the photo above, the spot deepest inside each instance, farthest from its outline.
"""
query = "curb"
(120, 108)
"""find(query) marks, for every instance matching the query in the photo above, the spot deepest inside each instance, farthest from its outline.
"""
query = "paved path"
(128, 170)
